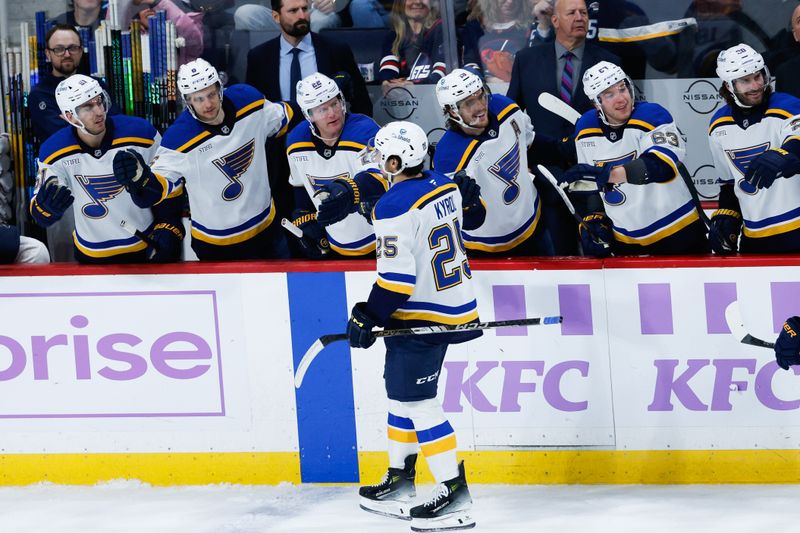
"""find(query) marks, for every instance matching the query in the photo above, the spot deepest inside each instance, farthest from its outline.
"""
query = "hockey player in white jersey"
(755, 140)
(216, 150)
(632, 153)
(424, 278)
(76, 164)
(491, 139)
(324, 155)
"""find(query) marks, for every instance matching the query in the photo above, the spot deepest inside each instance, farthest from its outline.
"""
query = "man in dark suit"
(786, 74)
(557, 67)
(276, 66)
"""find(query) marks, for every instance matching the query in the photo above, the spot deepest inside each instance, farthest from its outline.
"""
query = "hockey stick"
(291, 228)
(325, 340)
(559, 107)
(687, 179)
(733, 317)
(552, 179)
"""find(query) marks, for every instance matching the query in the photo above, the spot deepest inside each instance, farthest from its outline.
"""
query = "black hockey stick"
(562, 193)
(687, 179)
(733, 317)
(325, 340)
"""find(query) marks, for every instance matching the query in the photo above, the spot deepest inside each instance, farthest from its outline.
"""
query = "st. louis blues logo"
(614, 196)
(233, 165)
(319, 181)
(741, 160)
(507, 170)
(100, 189)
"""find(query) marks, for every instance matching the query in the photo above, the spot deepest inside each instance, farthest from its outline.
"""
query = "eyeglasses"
(61, 50)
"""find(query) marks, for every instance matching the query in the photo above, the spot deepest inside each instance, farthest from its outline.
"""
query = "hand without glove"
(726, 224)
(597, 225)
(339, 199)
(771, 165)
(582, 171)
(51, 202)
(314, 243)
(787, 347)
(469, 189)
(166, 246)
(359, 327)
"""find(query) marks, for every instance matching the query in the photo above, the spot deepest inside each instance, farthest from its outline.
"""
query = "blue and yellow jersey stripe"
(396, 282)
(237, 234)
(660, 229)
(437, 313)
(108, 248)
(505, 242)
(774, 225)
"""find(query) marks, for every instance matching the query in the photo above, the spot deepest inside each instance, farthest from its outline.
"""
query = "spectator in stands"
(557, 67)
(412, 53)
(83, 14)
(787, 79)
(188, 24)
(64, 51)
(324, 14)
(495, 31)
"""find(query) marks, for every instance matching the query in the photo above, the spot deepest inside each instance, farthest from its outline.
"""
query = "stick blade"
(558, 107)
(733, 317)
(305, 362)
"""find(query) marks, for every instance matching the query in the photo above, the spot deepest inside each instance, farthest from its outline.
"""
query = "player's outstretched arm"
(135, 175)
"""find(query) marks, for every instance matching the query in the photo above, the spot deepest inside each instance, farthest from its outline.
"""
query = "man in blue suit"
(557, 67)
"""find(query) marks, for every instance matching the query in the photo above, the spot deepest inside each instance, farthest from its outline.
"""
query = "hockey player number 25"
(442, 241)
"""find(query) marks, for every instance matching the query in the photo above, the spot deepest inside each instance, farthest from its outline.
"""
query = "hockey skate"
(392, 496)
(448, 509)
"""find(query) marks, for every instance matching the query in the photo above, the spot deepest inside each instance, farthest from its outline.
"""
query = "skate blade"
(449, 522)
(390, 508)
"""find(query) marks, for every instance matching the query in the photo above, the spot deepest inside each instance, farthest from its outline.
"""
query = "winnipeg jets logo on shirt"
(233, 166)
(100, 189)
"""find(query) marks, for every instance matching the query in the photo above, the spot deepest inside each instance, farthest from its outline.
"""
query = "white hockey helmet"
(455, 87)
(737, 62)
(315, 90)
(195, 76)
(404, 140)
(75, 91)
(602, 76)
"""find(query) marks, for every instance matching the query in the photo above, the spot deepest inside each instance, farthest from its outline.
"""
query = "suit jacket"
(534, 72)
(787, 80)
(263, 63)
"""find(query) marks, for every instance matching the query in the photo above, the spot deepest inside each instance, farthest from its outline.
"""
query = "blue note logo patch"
(233, 166)
(100, 189)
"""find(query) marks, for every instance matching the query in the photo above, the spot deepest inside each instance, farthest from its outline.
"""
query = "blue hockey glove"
(596, 235)
(359, 328)
(771, 165)
(339, 199)
(51, 202)
(582, 171)
(135, 175)
(314, 243)
(469, 189)
(787, 347)
(166, 247)
(726, 224)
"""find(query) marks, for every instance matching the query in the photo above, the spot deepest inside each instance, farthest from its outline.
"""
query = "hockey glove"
(314, 243)
(469, 189)
(51, 202)
(596, 235)
(582, 171)
(771, 165)
(134, 174)
(359, 328)
(787, 347)
(166, 246)
(339, 198)
(726, 224)
(567, 150)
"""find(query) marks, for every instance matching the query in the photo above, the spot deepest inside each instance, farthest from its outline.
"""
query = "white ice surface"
(124, 506)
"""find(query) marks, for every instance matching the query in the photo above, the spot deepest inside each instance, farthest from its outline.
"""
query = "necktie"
(565, 91)
(294, 74)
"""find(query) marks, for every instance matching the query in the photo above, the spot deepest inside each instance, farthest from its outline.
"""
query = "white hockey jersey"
(314, 164)
(420, 254)
(101, 203)
(765, 212)
(640, 214)
(498, 161)
(224, 167)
